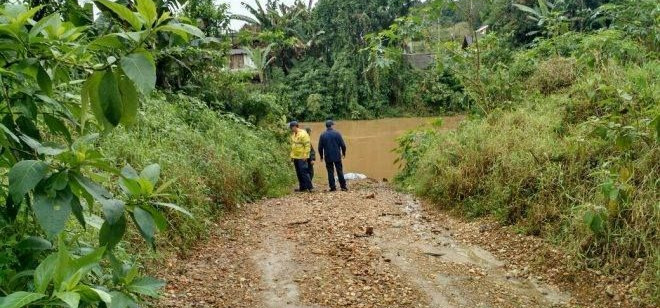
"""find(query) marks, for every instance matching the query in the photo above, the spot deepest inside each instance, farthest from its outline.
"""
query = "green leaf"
(121, 300)
(147, 8)
(77, 210)
(112, 210)
(174, 207)
(104, 296)
(89, 93)
(122, 12)
(57, 126)
(109, 99)
(24, 176)
(53, 213)
(181, 29)
(110, 234)
(148, 286)
(152, 173)
(34, 243)
(130, 187)
(44, 81)
(19, 299)
(527, 9)
(86, 262)
(44, 23)
(146, 224)
(130, 100)
(44, 273)
(70, 298)
(110, 41)
(159, 219)
(141, 69)
(97, 191)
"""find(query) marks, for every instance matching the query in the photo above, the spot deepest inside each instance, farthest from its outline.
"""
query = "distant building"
(239, 59)
(468, 40)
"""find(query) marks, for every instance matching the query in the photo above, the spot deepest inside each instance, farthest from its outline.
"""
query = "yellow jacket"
(300, 145)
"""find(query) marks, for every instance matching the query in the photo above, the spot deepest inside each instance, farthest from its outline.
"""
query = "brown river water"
(371, 143)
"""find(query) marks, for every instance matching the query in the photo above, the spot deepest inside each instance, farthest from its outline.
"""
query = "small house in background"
(239, 59)
(468, 40)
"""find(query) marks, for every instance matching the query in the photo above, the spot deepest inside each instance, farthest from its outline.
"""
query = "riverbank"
(373, 247)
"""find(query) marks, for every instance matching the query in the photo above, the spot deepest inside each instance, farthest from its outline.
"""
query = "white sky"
(235, 7)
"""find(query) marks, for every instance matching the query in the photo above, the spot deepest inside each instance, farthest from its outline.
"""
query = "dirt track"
(314, 250)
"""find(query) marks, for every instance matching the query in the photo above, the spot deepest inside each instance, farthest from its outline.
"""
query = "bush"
(216, 162)
(554, 74)
(579, 167)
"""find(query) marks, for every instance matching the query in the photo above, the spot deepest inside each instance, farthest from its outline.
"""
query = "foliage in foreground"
(66, 83)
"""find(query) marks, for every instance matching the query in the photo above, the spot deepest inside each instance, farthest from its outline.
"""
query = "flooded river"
(370, 144)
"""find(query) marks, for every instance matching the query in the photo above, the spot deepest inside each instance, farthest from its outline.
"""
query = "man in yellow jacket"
(300, 148)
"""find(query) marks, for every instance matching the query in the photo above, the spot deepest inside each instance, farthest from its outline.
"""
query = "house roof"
(237, 51)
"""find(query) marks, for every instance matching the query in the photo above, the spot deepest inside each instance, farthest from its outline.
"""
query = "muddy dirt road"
(318, 250)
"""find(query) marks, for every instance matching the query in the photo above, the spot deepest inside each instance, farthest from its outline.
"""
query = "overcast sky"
(235, 7)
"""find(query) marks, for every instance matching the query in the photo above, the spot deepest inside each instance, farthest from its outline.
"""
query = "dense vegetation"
(564, 143)
(127, 123)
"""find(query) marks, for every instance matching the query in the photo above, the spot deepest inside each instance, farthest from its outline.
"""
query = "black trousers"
(331, 166)
(310, 165)
(302, 172)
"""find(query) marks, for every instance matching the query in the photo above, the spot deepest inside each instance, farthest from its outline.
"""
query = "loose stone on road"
(370, 247)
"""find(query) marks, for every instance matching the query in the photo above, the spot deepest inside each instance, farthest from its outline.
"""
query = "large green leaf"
(148, 286)
(122, 12)
(52, 213)
(152, 173)
(44, 273)
(141, 69)
(180, 29)
(24, 176)
(145, 223)
(109, 98)
(110, 234)
(121, 300)
(90, 99)
(97, 191)
(130, 100)
(44, 81)
(147, 8)
(112, 210)
(70, 298)
(19, 299)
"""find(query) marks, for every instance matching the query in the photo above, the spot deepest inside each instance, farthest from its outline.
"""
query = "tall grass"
(215, 161)
(576, 161)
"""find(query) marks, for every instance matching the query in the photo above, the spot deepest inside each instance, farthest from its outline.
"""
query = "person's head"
(293, 125)
(329, 123)
(308, 130)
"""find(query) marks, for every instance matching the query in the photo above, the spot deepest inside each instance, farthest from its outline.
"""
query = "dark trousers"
(302, 172)
(310, 165)
(331, 166)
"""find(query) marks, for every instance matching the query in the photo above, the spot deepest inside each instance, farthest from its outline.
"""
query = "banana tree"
(547, 16)
(261, 59)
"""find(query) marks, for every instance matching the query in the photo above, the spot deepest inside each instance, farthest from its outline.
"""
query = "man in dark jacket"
(332, 148)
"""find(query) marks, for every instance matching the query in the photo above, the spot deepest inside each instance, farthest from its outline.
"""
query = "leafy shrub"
(554, 74)
(216, 162)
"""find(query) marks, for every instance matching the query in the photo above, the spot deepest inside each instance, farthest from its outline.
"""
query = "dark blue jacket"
(331, 146)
